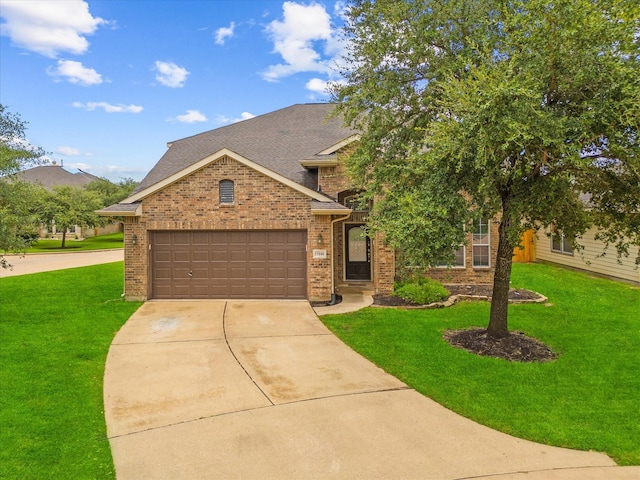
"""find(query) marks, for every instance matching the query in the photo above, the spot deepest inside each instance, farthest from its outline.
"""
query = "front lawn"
(587, 399)
(55, 331)
(102, 242)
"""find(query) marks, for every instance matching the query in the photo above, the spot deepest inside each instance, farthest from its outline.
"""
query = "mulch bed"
(484, 291)
(516, 347)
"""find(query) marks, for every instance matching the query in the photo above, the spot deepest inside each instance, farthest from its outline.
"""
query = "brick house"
(260, 209)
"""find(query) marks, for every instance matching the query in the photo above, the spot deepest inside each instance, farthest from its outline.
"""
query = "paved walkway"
(256, 389)
(45, 262)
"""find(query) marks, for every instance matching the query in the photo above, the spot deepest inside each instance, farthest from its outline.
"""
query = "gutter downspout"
(334, 297)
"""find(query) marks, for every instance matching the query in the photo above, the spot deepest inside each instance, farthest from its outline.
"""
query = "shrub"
(421, 291)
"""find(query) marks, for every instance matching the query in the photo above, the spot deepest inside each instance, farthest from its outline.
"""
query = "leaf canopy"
(522, 110)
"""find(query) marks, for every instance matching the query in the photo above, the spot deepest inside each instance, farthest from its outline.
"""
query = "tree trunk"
(501, 279)
(64, 237)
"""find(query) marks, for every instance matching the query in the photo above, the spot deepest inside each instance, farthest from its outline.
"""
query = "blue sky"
(105, 84)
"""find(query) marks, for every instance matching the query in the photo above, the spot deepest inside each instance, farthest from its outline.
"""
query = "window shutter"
(226, 191)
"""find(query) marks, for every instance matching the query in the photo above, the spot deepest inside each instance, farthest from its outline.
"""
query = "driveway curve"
(259, 389)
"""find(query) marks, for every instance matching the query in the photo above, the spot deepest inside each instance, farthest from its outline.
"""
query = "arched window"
(226, 191)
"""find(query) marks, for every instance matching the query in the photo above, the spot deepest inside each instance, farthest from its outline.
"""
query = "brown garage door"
(229, 264)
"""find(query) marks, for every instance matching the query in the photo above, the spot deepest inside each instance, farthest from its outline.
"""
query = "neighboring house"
(54, 175)
(50, 176)
(263, 209)
(555, 248)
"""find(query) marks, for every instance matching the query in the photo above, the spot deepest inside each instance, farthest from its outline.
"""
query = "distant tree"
(67, 206)
(111, 193)
(18, 219)
(489, 109)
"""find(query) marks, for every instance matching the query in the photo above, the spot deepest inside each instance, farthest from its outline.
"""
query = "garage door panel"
(180, 256)
(200, 256)
(259, 273)
(293, 272)
(237, 238)
(277, 255)
(235, 264)
(181, 238)
(277, 273)
(200, 238)
(296, 256)
(162, 256)
(162, 238)
(258, 255)
(199, 272)
(180, 273)
(219, 272)
(219, 255)
(238, 272)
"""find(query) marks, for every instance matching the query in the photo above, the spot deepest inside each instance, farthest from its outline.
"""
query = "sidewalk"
(45, 262)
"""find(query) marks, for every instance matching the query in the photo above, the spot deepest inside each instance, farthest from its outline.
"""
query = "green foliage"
(15, 151)
(508, 110)
(56, 329)
(111, 193)
(18, 214)
(421, 291)
(70, 205)
(587, 399)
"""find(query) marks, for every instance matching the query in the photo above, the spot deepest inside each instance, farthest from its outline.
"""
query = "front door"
(357, 253)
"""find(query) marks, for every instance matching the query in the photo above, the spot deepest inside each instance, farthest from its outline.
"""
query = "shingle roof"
(328, 206)
(50, 176)
(278, 141)
(120, 209)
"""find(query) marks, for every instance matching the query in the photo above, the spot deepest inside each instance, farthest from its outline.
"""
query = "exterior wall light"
(320, 239)
(134, 239)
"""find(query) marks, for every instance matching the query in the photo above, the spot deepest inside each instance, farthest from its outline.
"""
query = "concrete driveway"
(262, 390)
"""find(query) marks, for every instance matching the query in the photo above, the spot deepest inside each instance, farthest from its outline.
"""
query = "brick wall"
(192, 203)
(470, 274)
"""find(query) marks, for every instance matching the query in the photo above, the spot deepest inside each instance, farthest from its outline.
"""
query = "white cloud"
(76, 73)
(107, 107)
(191, 116)
(49, 27)
(295, 39)
(223, 120)
(171, 75)
(317, 85)
(68, 151)
(224, 32)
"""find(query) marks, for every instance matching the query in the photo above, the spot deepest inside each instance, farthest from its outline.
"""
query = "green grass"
(103, 242)
(588, 399)
(55, 331)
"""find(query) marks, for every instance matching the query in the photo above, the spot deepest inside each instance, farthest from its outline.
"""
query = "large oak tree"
(524, 111)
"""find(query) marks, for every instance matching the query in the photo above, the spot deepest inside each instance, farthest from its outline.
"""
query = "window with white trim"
(561, 244)
(480, 244)
(227, 194)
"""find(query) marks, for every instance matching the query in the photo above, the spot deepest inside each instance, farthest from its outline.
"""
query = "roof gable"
(141, 194)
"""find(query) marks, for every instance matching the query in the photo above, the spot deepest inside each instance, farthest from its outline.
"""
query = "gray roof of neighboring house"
(50, 176)
(278, 141)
